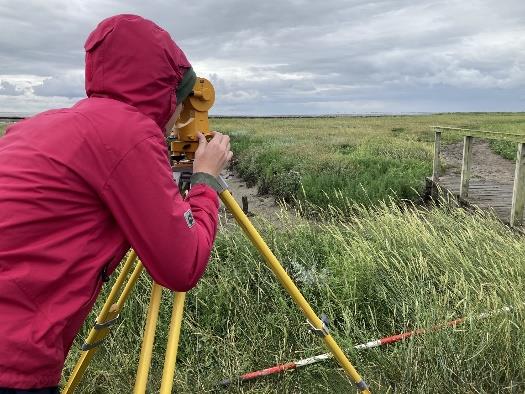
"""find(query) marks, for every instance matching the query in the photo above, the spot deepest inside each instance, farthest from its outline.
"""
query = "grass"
(504, 149)
(365, 158)
(387, 270)
(374, 267)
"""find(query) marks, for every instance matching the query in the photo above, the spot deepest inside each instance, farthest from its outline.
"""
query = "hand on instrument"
(212, 157)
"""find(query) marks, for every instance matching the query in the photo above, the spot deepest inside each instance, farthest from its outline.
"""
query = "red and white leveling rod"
(368, 345)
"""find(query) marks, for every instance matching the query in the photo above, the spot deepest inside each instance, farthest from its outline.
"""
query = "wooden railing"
(518, 191)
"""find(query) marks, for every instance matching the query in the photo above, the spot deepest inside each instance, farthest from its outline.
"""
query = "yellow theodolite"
(193, 119)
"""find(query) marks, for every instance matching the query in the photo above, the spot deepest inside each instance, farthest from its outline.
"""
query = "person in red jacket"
(79, 186)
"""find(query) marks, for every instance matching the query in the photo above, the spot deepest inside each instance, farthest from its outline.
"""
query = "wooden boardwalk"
(490, 195)
(480, 177)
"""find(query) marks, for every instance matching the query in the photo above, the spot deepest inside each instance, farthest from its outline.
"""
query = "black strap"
(47, 390)
(104, 275)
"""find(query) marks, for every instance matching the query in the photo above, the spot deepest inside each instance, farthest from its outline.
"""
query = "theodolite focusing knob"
(204, 94)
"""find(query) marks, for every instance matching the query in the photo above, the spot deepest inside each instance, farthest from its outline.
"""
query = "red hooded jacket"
(78, 186)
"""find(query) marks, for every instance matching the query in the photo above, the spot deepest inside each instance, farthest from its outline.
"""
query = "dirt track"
(263, 206)
(486, 164)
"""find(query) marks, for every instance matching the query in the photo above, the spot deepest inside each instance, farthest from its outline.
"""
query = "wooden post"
(437, 150)
(518, 192)
(465, 167)
(245, 205)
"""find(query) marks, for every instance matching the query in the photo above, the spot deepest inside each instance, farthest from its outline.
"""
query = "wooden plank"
(437, 150)
(492, 201)
(504, 202)
(507, 199)
(488, 199)
(493, 197)
(490, 187)
(490, 190)
(496, 193)
(494, 188)
(465, 167)
(494, 183)
(518, 192)
(493, 135)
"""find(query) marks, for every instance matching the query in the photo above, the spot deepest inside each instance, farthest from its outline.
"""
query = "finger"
(217, 138)
(213, 135)
(220, 140)
(225, 141)
(229, 156)
(202, 139)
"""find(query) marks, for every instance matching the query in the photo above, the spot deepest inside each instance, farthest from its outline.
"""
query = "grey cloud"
(9, 89)
(69, 84)
(299, 56)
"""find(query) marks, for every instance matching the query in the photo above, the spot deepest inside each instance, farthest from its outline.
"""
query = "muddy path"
(259, 206)
(486, 165)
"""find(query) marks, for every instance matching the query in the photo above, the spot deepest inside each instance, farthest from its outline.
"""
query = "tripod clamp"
(99, 326)
(323, 331)
(108, 323)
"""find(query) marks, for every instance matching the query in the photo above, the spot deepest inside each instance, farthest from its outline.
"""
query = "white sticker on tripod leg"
(190, 221)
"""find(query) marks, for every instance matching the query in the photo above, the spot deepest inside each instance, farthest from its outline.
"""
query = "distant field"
(365, 158)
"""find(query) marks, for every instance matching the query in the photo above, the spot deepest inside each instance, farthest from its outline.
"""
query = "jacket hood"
(131, 59)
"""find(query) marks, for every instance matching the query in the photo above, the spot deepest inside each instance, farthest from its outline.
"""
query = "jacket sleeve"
(173, 237)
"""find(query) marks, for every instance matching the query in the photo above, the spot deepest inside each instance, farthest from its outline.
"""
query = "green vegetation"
(505, 149)
(365, 158)
(2, 129)
(389, 269)
(374, 268)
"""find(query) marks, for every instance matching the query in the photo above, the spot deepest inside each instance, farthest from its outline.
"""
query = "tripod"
(109, 314)
(198, 103)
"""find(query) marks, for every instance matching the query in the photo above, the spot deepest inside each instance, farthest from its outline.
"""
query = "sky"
(287, 57)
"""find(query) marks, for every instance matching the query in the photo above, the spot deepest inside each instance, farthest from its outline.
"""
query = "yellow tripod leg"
(107, 316)
(290, 287)
(147, 342)
(173, 344)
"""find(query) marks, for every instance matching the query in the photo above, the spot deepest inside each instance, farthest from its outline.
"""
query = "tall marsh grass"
(388, 269)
